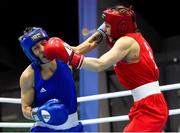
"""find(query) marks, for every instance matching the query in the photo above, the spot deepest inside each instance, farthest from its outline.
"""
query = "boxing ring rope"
(90, 98)
(99, 96)
(84, 122)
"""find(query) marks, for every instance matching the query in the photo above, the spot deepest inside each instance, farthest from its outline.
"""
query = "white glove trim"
(72, 121)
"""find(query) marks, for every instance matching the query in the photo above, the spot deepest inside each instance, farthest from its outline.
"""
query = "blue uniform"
(60, 86)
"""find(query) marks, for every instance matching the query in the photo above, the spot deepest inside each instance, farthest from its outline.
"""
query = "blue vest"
(60, 86)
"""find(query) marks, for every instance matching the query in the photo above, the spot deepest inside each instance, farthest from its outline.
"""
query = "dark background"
(60, 18)
(162, 15)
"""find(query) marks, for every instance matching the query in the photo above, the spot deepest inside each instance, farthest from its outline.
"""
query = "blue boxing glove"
(53, 112)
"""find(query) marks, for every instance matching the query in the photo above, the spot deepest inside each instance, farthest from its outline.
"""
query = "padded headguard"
(121, 19)
(29, 39)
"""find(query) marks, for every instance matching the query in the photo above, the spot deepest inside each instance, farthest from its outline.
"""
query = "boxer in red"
(133, 61)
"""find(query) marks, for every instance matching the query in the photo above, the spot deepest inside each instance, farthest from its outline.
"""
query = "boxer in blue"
(48, 94)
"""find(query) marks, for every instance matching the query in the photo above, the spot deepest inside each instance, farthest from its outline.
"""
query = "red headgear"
(120, 22)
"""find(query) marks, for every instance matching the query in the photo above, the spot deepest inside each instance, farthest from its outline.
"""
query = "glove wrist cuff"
(34, 114)
(77, 61)
(101, 33)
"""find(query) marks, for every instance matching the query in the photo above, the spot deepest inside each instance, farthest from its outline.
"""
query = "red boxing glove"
(58, 49)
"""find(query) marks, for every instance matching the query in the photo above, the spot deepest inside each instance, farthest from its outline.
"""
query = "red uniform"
(149, 112)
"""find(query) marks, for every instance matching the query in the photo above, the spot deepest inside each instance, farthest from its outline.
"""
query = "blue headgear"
(29, 39)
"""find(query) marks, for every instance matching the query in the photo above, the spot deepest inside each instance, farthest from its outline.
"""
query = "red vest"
(137, 74)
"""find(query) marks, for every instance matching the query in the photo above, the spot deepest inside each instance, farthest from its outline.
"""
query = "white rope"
(90, 98)
(15, 125)
(10, 100)
(123, 93)
(84, 122)
(174, 112)
(105, 120)
(119, 118)
(99, 96)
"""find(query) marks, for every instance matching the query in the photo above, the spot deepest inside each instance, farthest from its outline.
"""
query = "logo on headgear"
(123, 27)
(36, 36)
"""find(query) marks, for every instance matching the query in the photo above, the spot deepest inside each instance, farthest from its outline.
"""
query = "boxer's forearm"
(88, 45)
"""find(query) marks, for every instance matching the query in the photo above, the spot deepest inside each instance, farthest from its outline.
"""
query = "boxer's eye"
(44, 43)
(34, 48)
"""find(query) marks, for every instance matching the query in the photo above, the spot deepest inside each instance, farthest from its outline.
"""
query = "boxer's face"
(38, 51)
(108, 29)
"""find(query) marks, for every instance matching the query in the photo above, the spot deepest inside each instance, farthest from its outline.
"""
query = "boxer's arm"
(92, 42)
(87, 45)
(120, 50)
(27, 92)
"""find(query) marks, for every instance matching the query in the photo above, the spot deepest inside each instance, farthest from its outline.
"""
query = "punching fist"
(58, 49)
(53, 112)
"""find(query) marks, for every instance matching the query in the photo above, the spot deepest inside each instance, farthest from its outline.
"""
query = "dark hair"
(123, 9)
(28, 30)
